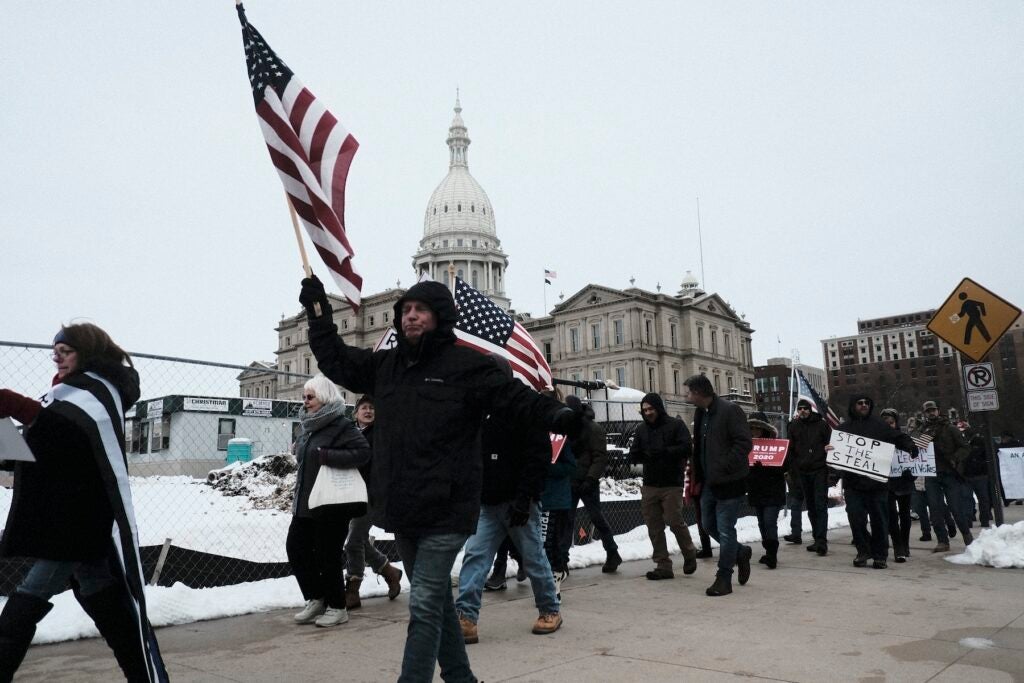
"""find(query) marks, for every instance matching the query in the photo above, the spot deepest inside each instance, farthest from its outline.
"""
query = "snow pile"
(268, 482)
(622, 489)
(1001, 546)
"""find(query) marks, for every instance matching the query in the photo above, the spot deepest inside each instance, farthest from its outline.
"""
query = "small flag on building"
(549, 275)
(485, 327)
(311, 151)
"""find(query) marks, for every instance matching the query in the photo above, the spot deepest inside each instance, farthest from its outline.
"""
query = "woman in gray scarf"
(316, 537)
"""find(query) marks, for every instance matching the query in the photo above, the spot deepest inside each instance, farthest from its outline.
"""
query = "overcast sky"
(852, 160)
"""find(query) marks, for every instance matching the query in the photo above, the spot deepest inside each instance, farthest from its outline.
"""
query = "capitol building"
(650, 341)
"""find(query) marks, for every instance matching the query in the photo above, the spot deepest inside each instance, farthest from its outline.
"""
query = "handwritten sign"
(922, 466)
(861, 455)
(1011, 470)
(769, 452)
(557, 444)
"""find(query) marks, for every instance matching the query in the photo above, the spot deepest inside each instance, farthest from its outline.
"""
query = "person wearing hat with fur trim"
(766, 492)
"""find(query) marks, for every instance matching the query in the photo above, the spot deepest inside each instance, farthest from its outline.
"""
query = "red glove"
(21, 408)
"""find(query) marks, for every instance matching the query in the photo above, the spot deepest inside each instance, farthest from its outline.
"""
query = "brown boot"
(352, 592)
(470, 634)
(393, 576)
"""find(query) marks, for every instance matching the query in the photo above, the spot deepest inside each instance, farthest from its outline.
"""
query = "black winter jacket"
(590, 448)
(60, 508)
(344, 447)
(766, 485)
(515, 461)
(873, 428)
(807, 440)
(430, 402)
(723, 464)
(662, 447)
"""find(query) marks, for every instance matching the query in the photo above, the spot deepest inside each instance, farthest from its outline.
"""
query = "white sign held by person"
(921, 466)
(1011, 470)
(861, 455)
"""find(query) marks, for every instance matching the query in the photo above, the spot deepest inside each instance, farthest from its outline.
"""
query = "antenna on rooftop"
(700, 245)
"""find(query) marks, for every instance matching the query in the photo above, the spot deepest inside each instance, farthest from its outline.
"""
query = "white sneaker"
(332, 617)
(313, 609)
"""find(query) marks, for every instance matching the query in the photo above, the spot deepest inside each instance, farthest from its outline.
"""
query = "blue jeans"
(862, 505)
(481, 548)
(434, 634)
(47, 578)
(942, 490)
(720, 520)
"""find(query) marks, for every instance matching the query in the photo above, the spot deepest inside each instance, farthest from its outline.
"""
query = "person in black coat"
(766, 492)
(809, 434)
(722, 445)
(68, 502)
(866, 497)
(976, 476)
(316, 536)
(900, 489)
(431, 397)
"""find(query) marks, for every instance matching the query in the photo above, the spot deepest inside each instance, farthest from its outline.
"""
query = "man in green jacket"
(945, 488)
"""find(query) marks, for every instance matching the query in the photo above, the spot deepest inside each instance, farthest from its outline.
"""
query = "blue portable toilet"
(239, 450)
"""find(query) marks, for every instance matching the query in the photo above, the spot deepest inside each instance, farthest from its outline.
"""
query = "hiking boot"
(393, 577)
(352, 600)
(333, 616)
(469, 631)
(704, 553)
(659, 574)
(689, 563)
(611, 562)
(941, 548)
(861, 560)
(926, 536)
(901, 558)
(879, 564)
(813, 548)
(793, 538)
(547, 623)
(771, 558)
(312, 610)
(822, 549)
(743, 564)
(521, 572)
(496, 581)
(721, 586)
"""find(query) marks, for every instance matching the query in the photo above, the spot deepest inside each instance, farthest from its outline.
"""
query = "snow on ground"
(1001, 546)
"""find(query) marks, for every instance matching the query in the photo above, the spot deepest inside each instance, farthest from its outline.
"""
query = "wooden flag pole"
(302, 247)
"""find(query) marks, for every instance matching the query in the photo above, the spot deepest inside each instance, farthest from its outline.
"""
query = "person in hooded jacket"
(809, 434)
(866, 497)
(591, 451)
(976, 474)
(431, 397)
(900, 489)
(66, 504)
(662, 445)
(721, 465)
(766, 492)
(944, 490)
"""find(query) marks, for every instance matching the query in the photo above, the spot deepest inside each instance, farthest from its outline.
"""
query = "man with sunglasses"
(865, 497)
(809, 434)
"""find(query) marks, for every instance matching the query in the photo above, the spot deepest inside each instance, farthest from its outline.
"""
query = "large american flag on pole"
(806, 391)
(483, 326)
(311, 151)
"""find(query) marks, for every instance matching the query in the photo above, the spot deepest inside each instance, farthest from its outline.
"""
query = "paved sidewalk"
(812, 619)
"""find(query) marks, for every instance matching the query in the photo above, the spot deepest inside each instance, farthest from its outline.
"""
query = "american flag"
(922, 439)
(805, 391)
(311, 151)
(485, 327)
(549, 275)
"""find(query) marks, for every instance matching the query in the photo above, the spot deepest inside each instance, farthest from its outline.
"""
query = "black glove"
(567, 422)
(519, 511)
(312, 294)
(587, 485)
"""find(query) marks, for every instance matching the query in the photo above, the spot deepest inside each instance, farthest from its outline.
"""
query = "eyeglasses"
(863, 403)
(59, 354)
(803, 409)
(308, 397)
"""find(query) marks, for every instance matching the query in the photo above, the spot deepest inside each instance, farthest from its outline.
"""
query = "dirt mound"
(268, 481)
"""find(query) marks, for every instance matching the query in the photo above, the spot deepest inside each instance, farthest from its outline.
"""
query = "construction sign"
(973, 319)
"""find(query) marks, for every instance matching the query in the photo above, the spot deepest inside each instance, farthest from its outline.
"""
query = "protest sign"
(1011, 470)
(557, 444)
(769, 452)
(922, 466)
(12, 445)
(861, 455)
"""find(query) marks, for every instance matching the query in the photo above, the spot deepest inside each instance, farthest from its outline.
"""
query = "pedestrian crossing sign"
(973, 319)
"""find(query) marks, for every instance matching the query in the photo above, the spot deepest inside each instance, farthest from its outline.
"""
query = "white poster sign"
(12, 444)
(206, 405)
(257, 407)
(154, 409)
(1011, 471)
(860, 454)
(921, 466)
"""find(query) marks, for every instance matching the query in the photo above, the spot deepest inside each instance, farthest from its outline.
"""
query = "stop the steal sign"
(769, 452)
(861, 455)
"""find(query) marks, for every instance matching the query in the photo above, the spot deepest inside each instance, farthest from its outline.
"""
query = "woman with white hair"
(316, 536)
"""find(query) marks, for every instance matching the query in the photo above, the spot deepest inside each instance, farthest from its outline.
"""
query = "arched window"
(472, 208)
(460, 207)
(446, 208)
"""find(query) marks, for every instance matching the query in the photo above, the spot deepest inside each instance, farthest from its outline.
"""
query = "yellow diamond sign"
(973, 319)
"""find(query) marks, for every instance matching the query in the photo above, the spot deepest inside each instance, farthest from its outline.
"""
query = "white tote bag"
(334, 486)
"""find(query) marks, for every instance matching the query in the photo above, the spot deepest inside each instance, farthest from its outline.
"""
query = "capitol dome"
(458, 204)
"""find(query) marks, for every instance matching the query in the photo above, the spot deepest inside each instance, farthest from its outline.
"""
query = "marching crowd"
(456, 457)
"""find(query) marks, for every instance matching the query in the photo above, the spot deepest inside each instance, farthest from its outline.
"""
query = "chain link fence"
(211, 482)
